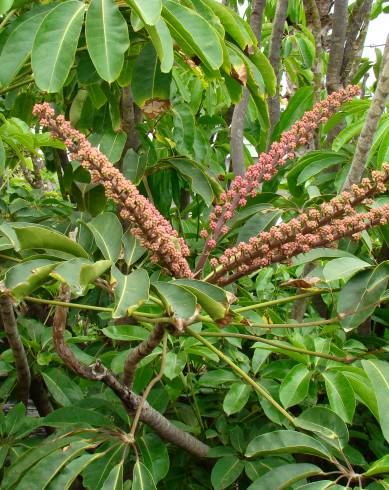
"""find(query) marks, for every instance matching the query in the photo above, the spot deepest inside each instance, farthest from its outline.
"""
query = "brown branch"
(130, 117)
(373, 116)
(23, 375)
(237, 122)
(311, 6)
(130, 400)
(338, 37)
(141, 351)
(358, 23)
(274, 58)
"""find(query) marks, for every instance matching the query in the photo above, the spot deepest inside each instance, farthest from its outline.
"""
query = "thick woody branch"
(274, 58)
(130, 400)
(140, 352)
(11, 331)
(339, 27)
(312, 8)
(373, 116)
(237, 122)
(358, 23)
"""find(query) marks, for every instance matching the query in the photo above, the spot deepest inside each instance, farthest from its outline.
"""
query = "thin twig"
(150, 386)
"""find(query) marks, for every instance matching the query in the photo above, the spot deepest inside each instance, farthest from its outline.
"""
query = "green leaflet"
(55, 45)
(106, 37)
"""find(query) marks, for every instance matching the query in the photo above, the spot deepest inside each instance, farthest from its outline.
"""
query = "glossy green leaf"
(125, 332)
(106, 37)
(343, 268)
(61, 387)
(294, 388)
(163, 44)
(66, 477)
(284, 476)
(378, 373)
(286, 441)
(213, 299)
(142, 478)
(236, 397)
(112, 144)
(26, 237)
(150, 84)
(44, 471)
(266, 70)
(175, 363)
(259, 222)
(79, 273)
(358, 298)
(362, 388)
(134, 166)
(2, 158)
(132, 249)
(68, 415)
(155, 455)
(107, 231)
(55, 45)
(114, 480)
(31, 458)
(196, 176)
(326, 424)
(18, 43)
(26, 277)
(193, 33)
(96, 473)
(226, 471)
(378, 467)
(177, 300)
(130, 291)
(149, 11)
(5, 5)
(319, 253)
(340, 395)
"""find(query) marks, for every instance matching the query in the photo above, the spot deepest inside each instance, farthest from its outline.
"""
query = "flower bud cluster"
(268, 163)
(148, 225)
(315, 227)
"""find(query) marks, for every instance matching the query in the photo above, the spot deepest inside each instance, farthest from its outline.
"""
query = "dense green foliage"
(284, 373)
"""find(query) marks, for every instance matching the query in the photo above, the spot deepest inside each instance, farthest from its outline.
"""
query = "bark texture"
(373, 116)
(338, 38)
(274, 58)
(23, 375)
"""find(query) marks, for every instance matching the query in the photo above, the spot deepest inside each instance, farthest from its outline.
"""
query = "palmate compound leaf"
(142, 478)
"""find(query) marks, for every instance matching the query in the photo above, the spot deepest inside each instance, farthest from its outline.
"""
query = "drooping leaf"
(150, 87)
(26, 277)
(134, 166)
(107, 231)
(193, 33)
(130, 291)
(149, 11)
(106, 37)
(340, 395)
(294, 388)
(226, 471)
(326, 424)
(142, 478)
(236, 397)
(96, 473)
(132, 249)
(55, 45)
(79, 273)
(163, 44)
(343, 267)
(196, 177)
(18, 44)
(284, 476)
(358, 298)
(61, 387)
(286, 441)
(378, 373)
